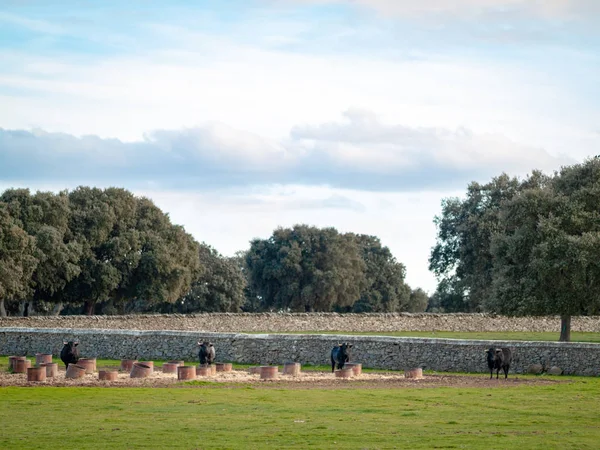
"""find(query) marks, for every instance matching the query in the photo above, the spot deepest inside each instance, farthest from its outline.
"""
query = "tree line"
(522, 247)
(107, 251)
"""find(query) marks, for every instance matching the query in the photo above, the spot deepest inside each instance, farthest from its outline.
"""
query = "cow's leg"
(505, 371)
(332, 365)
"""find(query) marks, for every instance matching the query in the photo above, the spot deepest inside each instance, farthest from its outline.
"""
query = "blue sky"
(240, 116)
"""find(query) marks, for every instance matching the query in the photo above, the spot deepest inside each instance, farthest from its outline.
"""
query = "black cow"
(499, 358)
(206, 353)
(340, 355)
(69, 353)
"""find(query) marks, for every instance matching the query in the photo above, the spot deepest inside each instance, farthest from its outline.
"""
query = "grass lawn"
(495, 336)
(202, 415)
(544, 417)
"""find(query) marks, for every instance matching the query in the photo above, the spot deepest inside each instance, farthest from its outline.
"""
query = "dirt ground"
(306, 380)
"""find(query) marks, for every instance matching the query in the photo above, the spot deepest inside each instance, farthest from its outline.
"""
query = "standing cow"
(69, 353)
(499, 358)
(206, 354)
(340, 355)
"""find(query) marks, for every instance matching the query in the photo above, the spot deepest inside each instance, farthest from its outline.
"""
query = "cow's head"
(71, 344)
(345, 351)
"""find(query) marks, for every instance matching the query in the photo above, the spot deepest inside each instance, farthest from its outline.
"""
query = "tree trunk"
(565, 329)
(88, 307)
(57, 309)
(2, 308)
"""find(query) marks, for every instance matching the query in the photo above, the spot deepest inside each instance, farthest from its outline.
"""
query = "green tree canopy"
(418, 301)
(462, 257)
(546, 255)
(385, 289)
(45, 216)
(306, 269)
(220, 286)
(17, 259)
(131, 251)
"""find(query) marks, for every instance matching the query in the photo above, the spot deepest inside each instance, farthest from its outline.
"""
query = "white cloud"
(364, 141)
(360, 152)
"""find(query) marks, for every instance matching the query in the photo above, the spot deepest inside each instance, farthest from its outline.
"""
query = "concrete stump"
(12, 359)
(292, 368)
(177, 362)
(254, 370)
(344, 373)
(269, 372)
(21, 365)
(203, 371)
(170, 367)
(127, 364)
(36, 374)
(416, 373)
(356, 367)
(42, 358)
(149, 364)
(140, 370)
(223, 367)
(186, 372)
(88, 363)
(108, 375)
(75, 371)
(51, 369)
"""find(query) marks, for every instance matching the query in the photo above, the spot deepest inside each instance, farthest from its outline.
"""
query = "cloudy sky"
(240, 116)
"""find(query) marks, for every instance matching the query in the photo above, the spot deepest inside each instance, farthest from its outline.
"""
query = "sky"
(237, 117)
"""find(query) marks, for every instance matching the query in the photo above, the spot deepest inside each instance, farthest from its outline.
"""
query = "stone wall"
(283, 322)
(373, 351)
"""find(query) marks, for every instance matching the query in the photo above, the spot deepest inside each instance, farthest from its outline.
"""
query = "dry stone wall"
(298, 322)
(373, 351)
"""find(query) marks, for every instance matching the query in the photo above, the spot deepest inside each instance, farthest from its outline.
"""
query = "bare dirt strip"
(306, 380)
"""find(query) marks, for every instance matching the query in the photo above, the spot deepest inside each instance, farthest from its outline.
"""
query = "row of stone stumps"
(143, 369)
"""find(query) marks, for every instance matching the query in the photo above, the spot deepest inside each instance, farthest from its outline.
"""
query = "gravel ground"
(306, 380)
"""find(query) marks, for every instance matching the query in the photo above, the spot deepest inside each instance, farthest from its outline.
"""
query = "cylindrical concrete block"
(127, 364)
(177, 362)
(203, 371)
(21, 365)
(149, 364)
(51, 369)
(42, 358)
(186, 372)
(292, 368)
(356, 367)
(170, 367)
(416, 373)
(75, 371)
(108, 375)
(88, 363)
(36, 374)
(140, 370)
(12, 359)
(269, 372)
(254, 370)
(223, 367)
(344, 373)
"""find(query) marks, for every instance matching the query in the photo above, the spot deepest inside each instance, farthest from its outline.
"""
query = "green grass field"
(202, 415)
(495, 336)
(560, 416)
